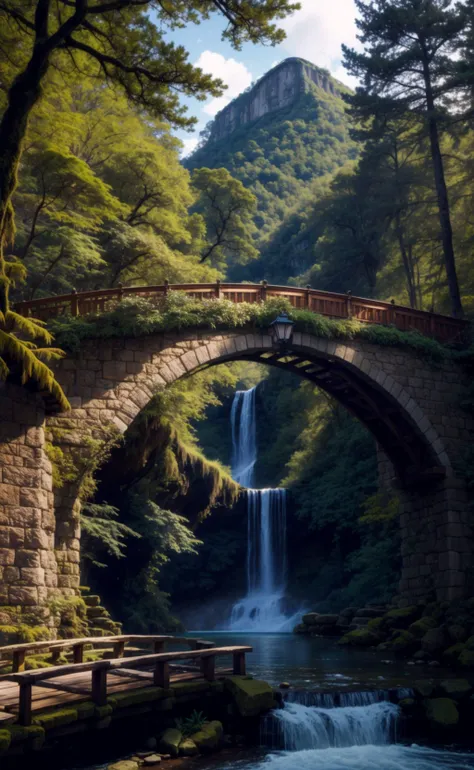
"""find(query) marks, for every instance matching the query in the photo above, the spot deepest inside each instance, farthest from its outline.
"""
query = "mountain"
(283, 138)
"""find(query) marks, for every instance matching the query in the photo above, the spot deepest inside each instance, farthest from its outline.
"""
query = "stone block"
(25, 596)
(114, 370)
(37, 538)
(9, 494)
(7, 557)
(32, 576)
(33, 498)
(24, 558)
(34, 437)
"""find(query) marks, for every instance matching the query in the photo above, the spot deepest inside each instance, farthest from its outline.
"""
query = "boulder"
(466, 658)
(208, 737)
(151, 760)
(421, 626)
(407, 704)
(403, 642)
(348, 613)
(456, 688)
(457, 633)
(441, 712)
(470, 643)
(435, 640)
(301, 628)
(368, 612)
(424, 689)
(187, 748)
(323, 620)
(251, 696)
(124, 764)
(310, 618)
(375, 625)
(170, 741)
(451, 655)
(360, 637)
(402, 618)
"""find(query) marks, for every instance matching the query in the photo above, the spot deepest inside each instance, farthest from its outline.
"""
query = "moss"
(208, 737)
(103, 711)
(85, 710)
(33, 733)
(466, 658)
(360, 637)
(442, 712)
(456, 688)
(189, 688)
(122, 700)
(402, 618)
(251, 696)
(138, 317)
(57, 718)
(452, 653)
(403, 642)
(5, 740)
(375, 625)
(421, 626)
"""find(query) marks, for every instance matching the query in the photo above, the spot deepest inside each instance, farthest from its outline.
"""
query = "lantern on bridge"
(281, 329)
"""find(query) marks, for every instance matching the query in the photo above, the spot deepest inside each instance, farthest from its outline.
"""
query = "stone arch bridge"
(411, 406)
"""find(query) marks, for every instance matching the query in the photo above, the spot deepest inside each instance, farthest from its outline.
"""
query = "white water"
(347, 738)
(262, 608)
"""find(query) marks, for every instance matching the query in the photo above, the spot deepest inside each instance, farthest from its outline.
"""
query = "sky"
(316, 33)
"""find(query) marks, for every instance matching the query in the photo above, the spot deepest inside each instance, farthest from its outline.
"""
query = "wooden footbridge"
(331, 304)
(24, 695)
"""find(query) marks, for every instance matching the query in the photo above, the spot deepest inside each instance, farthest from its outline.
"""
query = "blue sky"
(316, 33)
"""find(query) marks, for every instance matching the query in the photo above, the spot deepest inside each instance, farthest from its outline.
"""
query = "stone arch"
(410, 406)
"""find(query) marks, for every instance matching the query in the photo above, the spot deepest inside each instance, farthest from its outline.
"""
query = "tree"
(408, 66)
(227, 208)
(126, 42)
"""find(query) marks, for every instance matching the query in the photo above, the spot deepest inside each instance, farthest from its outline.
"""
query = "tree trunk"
(407, 266)
(443, 200)
(22, 97)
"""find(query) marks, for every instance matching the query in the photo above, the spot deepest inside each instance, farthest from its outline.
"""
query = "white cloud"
(235, 75)
(189, 145)
(317, 31)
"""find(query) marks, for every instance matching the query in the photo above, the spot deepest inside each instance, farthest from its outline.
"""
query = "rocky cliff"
(278, 88)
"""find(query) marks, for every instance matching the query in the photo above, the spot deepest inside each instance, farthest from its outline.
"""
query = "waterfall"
(262, 608)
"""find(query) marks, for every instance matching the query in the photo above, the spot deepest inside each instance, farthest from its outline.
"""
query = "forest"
(368, 190)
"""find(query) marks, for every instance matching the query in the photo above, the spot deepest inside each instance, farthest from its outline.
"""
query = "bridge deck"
(330, 304)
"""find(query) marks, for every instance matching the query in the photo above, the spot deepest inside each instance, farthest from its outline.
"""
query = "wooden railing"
(443, 328)
(17, 653)
(64, 678)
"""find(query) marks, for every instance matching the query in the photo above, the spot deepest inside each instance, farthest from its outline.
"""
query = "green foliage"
(191, 724)
(101, 532)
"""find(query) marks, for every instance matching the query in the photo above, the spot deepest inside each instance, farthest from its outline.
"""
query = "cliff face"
(278, 88)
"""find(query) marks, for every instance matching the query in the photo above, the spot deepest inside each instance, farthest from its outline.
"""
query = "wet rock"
(404, 642)
(301, 628)
(407, 704)
(441, 712)
(187, 748)
(208, 737)
(284, 685)
(434, 663)
(360, 637)
(369, 612)
(420, 627)
(310, 618)
(170, 741)
(152, 759)
(466, 658)
(424, 689)
(457, 633)
(124, 764)
(251, 696)
(435, 640)
(451, 655)
(456, 688)
(402, 618)
(324, 620)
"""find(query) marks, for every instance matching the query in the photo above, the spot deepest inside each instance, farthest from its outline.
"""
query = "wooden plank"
(24, 706)
(55, 685)
(161, 674)
(19, 660)
(99, 686)
(50, 673)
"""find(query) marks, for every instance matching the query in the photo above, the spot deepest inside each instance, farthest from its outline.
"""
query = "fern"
(192, 724)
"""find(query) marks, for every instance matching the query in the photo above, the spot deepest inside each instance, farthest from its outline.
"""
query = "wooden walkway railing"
(19, 691)
(17, 653)
(329, 304)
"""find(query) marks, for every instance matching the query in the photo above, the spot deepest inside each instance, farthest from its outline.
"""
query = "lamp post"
(281, 329)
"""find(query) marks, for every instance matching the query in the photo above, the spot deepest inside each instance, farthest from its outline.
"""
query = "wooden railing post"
(78, 653)
(18, 661)
(55, 655)
(119, 649)
(349, 304)
(161, 674)
(99, 686)
(208, 668)
(120, 292)
(391, 312)
(159, 646)
(24, 709)
(308, 296)
(166, 286)
(74, 303)
(239, 667)
(217, 290)
(263, 291)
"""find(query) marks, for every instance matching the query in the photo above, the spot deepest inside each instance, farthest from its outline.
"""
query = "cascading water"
(349, 737)
(261, 609)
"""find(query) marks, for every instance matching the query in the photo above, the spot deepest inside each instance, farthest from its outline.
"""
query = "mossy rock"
(301, 629)
(121, 700)
(407, 704)
(85, 710)
(466, 658)
(170, 741)
(189, 688)
(187, 748)
(124, 764)
(49, 720)
(96, 611)
(310, 618)
(251, 696)
(5, 740)
(360, 637)
(435, 640)
(376, 625)
(451, 655)
(403, 642)
(402, 617)
(442, 712)
(456, 688)
(424, 689)
(92, 601)
(421, 626)
(101, 712)
(470, 643)
(457, 633)
(208, 737)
